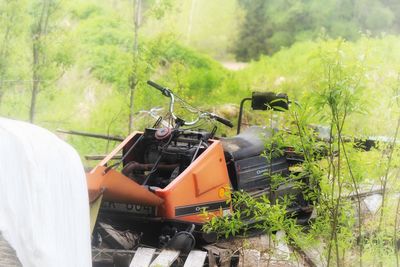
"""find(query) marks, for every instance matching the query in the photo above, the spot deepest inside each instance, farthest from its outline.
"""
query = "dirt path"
(235, 66)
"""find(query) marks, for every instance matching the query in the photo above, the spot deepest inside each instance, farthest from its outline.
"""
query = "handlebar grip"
(223, 121)
(157, 86)
(165, 91)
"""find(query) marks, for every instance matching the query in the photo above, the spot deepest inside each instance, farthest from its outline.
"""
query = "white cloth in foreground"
(44, 210)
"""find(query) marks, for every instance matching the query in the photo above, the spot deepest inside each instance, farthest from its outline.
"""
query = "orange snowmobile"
(171, 175)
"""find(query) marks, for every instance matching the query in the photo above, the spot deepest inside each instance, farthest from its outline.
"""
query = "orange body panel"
(199, 186)
(118, 187)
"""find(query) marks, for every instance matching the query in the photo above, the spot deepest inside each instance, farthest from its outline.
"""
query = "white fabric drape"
(44, 210)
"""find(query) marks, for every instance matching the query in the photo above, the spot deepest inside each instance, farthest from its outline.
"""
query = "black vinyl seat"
(249, 143)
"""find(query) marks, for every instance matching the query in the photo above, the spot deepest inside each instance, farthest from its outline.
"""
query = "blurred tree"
(49, 54)
(272, 24)
(254, 32)
(39, 29)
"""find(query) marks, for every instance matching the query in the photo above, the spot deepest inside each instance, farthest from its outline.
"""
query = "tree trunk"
(133, 79)
(2, 76)
(1, 91)
(189, 30)
(39, 29)
(35, 81)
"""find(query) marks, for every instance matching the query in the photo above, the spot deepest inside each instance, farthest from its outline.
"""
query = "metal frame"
(241, 113)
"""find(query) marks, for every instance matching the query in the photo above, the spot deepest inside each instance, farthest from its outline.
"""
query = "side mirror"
(269, 100)
(264, 101)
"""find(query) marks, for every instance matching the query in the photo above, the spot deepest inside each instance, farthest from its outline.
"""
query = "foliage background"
(182, 45)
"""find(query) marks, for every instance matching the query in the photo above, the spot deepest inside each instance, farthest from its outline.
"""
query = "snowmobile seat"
(249, 143)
